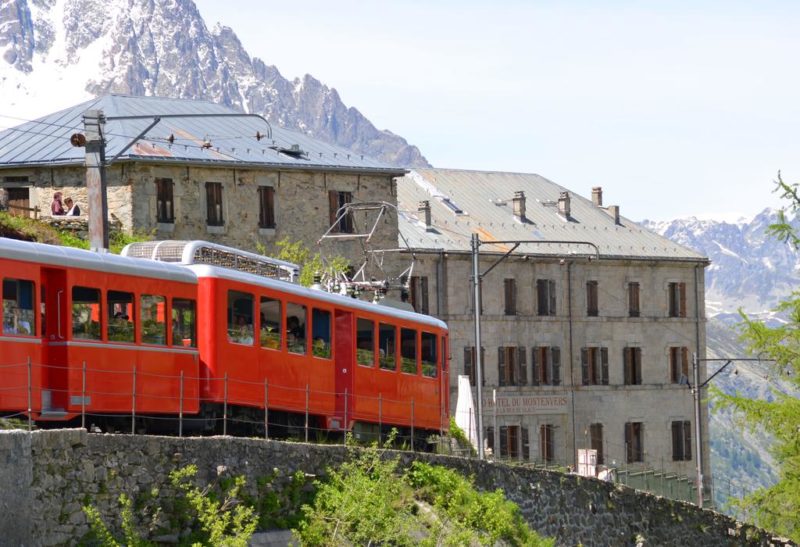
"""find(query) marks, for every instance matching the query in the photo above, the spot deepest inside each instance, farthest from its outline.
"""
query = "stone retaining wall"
(47, 476)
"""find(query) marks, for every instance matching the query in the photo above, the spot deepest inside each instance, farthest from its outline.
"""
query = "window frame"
(634, 304)
(266, 207)
(510, 296)
(592, 298)
(12, 323)
(546, 297)
(336, 200)
(634, 442)
(165, 200)
(632, 365)
(681, 440)
(215, 211)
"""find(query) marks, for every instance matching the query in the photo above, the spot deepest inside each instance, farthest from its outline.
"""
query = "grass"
(28, 229)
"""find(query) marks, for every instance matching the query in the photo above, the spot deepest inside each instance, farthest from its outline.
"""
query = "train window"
(240, 317)
(120, 316)
(321, 333)
(445, 355)
(387, 338)
(86, 313)
(184, 323)
(408, 351)
(18, 316)
(154, 322)
(429, 354)
(270, 323)
(296, 327)
(365, 342)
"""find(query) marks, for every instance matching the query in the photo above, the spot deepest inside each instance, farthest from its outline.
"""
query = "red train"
(221, 338)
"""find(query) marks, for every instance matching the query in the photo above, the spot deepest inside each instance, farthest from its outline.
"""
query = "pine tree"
(776, 508)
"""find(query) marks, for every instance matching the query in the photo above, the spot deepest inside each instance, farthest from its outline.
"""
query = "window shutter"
(555, 354)
(683, 299)
(413, 293)
(628, 365)
(534, 366)
(503, 441)
(469, 364)
(628, 442)
(552, 290)
(501, 365)
(210, 203)
(483, 366)
(522, 372)
(687, 440)
(333, 206)
(637, 366)
(423, 286)
(585, 366)
(677, 454)
(541, 301)
(604, 360)
(685, 361)
(526, 451)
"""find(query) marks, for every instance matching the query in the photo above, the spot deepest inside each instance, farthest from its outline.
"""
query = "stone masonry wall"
(46, 476)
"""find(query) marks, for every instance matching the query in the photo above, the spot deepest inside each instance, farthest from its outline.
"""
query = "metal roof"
(485, 201)
(46, 141)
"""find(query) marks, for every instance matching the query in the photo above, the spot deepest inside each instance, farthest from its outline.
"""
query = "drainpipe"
(571, 364)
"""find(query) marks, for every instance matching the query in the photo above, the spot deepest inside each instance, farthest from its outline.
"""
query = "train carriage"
(216, 333)
(93, 332)
(295, 349)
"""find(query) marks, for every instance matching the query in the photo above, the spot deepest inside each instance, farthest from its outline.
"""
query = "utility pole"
(697, 433)
(94, 125)
(696, 388)
(476, 280)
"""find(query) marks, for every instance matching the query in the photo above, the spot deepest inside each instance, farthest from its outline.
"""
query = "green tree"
(370, 500)
(776, 508)
(310, 263)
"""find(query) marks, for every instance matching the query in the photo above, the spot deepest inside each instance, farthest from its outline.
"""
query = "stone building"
(203, 171)
(587, 334)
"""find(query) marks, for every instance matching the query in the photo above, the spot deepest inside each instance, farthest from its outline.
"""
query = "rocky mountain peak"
(54, 51)
(749, 269)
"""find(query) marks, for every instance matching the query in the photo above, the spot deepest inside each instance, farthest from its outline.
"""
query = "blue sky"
(675, 109)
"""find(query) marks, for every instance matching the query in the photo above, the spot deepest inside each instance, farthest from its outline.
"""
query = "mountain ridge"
(62, 52)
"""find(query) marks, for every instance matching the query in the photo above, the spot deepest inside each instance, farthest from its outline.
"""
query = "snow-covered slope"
(749, 269)
(56, 53)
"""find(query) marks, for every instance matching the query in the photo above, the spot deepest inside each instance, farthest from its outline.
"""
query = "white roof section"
(55, 255)
(466, 202)
(338, 300)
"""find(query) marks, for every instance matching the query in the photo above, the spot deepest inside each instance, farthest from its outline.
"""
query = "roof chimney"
(425, 210)
(563, 204)
(613, 210)
(597, 196)
(519, 205)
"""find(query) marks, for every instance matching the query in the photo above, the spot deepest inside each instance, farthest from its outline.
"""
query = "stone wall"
(46, 476)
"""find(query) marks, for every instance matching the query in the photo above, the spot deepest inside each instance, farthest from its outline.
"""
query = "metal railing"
(144, 391)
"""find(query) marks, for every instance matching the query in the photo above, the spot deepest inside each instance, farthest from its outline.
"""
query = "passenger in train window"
(244, 331)
(295, 335)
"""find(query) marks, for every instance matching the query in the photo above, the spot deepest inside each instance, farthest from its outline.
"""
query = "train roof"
(203, 270)
(88, 260)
